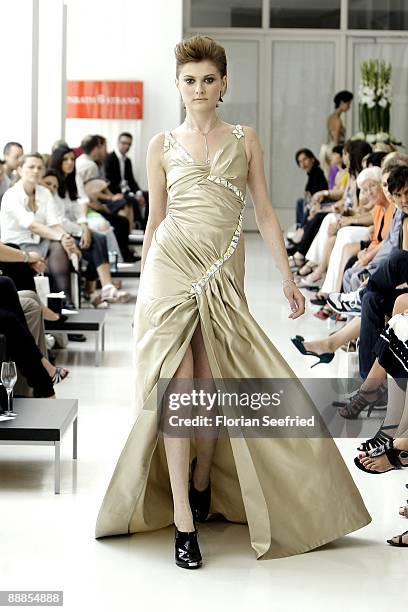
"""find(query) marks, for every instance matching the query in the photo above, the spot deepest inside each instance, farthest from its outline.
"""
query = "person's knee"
(400, 304)
(370, 301)
(6, 284)
(30, 306)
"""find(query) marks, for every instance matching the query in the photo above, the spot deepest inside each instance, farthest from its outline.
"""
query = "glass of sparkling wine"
(9, 379)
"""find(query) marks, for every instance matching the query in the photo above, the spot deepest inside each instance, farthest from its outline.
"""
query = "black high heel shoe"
(200, 501)
(298, 341)
(357, 403)
(381, 438)
(187, 552)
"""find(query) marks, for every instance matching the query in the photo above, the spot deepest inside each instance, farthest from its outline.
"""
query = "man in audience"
(110, 206)
(13, 152)
(119, 173)
(316, 181)
(4, 179)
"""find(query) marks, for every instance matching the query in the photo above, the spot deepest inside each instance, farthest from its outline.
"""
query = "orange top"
(382, 219)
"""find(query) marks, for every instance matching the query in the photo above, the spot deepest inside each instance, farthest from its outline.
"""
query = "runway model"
(192, 322)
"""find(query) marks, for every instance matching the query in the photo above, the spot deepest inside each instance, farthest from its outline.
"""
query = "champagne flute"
(9, 379)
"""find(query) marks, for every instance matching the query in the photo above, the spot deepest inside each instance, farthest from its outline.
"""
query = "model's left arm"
(268, 223)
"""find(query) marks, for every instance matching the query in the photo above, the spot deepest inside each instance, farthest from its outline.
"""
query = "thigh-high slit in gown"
(295, 494)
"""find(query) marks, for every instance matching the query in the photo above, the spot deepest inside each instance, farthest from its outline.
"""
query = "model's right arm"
(156, 178)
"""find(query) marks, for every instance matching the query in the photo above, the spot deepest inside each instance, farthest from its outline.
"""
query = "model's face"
(124, 144)
(305, 162)
(401, 199)
(200, 85)
(68, 163)
(51, 182)
(32, 170)
(373, 190)
(12, 158)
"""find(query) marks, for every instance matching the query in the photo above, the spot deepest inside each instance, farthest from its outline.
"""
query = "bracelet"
(26, 257)
(288, 280)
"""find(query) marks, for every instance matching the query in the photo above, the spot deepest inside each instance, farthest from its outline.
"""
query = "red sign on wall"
(105, 99)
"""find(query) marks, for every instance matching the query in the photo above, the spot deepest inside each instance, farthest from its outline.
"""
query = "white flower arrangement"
(375, 97)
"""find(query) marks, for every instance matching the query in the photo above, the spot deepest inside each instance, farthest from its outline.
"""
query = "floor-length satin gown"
(294, 494)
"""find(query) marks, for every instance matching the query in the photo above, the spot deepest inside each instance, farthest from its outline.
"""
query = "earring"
(220, 98)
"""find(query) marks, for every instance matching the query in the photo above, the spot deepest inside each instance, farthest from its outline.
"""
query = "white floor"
(46, 540)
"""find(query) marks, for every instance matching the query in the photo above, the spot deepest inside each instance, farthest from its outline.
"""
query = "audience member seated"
(72, 216)
(357, 243)
(388, 450)
(337, 167)
(307, 161)
(4, 179)
(29, 221)
(373, 301)
(113, 207)
(12, 152)
(40, 374)
(313, 247)
(118, 171)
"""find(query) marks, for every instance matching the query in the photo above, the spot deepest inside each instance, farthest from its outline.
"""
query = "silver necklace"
(207, 154)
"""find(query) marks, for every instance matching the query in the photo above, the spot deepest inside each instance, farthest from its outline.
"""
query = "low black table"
(42, 422)
(86, 320)
(127, 271)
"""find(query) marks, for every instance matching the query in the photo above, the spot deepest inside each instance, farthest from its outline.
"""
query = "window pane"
(378, 15)
(226, 13)
(301, 14)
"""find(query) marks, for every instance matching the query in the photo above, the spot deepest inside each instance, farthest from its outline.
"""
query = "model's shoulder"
(157, 141)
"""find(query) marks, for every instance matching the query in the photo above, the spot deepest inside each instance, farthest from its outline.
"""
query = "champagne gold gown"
(294, 494)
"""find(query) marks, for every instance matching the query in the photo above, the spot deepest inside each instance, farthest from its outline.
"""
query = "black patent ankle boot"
(199, 500)
(187, 551)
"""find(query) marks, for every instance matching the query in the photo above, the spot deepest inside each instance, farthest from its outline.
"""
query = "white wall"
(126, 40)
(16, 71)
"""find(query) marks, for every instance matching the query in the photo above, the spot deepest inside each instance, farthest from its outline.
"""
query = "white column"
(51, 73)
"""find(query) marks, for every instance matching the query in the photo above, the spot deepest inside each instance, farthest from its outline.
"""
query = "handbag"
(42, 287)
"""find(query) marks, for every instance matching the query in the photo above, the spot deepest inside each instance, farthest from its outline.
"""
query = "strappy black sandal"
(357, 404)
(381, 438)
(393, 456)
(400, 542)
(60, 375)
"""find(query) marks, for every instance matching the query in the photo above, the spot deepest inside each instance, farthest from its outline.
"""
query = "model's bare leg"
(205, 445)
(349, 250)
(330, 344)
(178, 457)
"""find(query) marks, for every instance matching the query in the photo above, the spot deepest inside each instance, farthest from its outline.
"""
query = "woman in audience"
(72, 217)
(314, 246)
(41, 375)
(392, 451)
(28, 220)
(353, 240)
